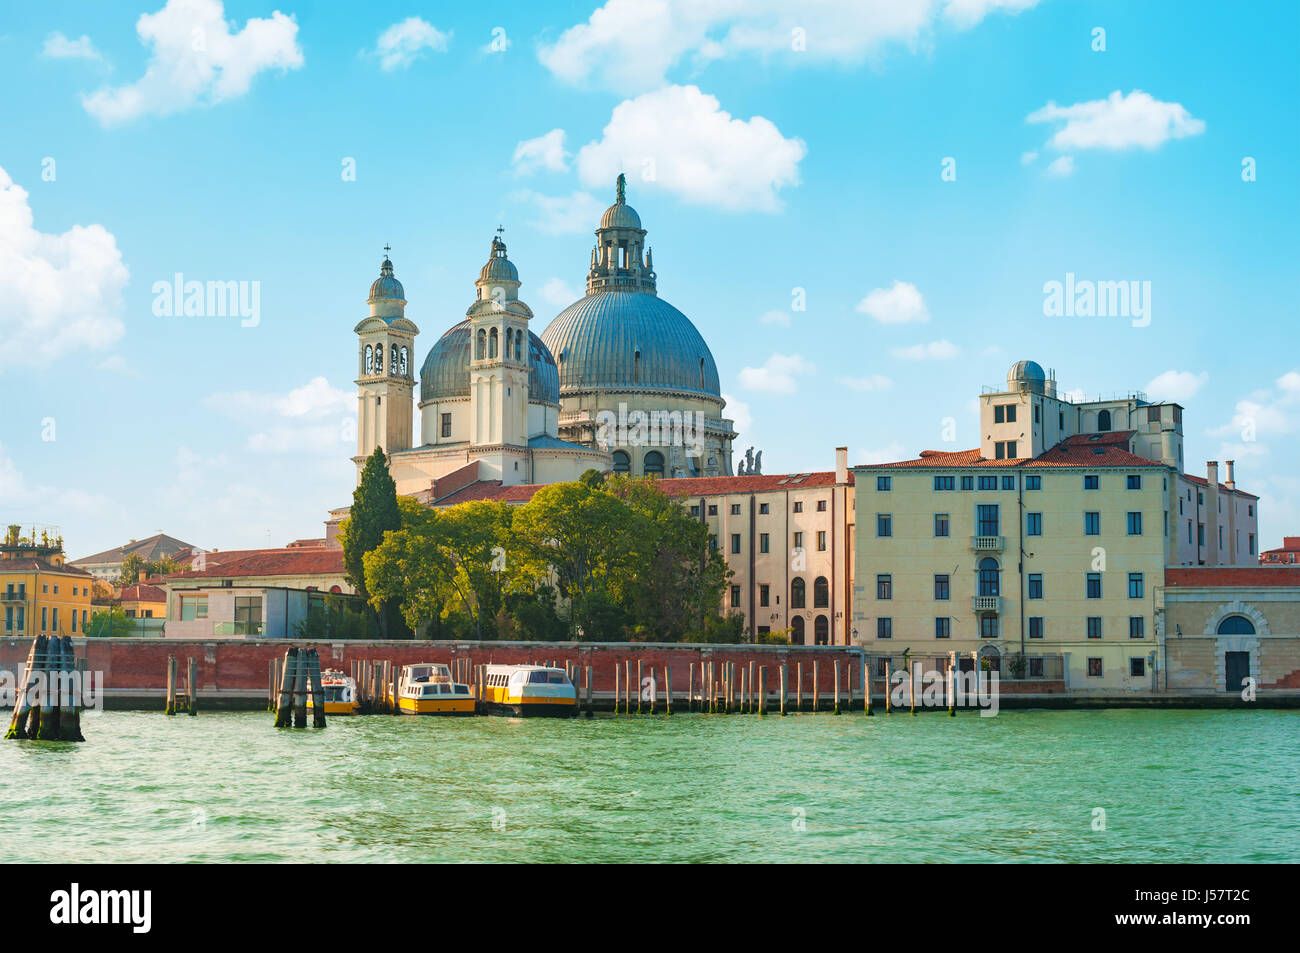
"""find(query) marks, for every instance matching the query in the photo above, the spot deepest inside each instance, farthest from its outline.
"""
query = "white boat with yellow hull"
(427, 689)
(340, 693)
(528, 690)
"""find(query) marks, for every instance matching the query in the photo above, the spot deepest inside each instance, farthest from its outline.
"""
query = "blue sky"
(770, 148)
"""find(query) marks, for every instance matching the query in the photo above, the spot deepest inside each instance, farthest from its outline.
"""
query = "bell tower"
(385, 369)
(498, 369)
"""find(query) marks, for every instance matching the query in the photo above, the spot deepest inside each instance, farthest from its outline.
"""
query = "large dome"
(626, 341)
(445, 372)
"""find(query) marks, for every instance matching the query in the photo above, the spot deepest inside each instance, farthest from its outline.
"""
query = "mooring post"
(744, 693)
(911, 687)
(283, 717)
(300, 691)
(618, 685)
(640, 686)
(70, 724)
(837, 687)
(317, 689)
(866, 686)
(22, 700)
(817, 692)
(785, 671)
(762, 689)
(668, 689)
(952, 684)
(192, 686)
(889, 686)
(170, 706)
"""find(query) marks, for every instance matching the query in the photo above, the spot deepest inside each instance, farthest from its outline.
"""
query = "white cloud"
(196, 58)
(871, 382)
(316, 417)
(1118, 122)
(570, 214)
(631, 45)
(738, 412)
(887, 454)
(1061, 168)
(1176, 385)
(403, 43)
(59, 47)
(1028, 158)
(544, 152)
(557, 293)
(900, 303)
(775, 316)
(681, 140)
(934, 351)
(43, 503)
(776, 375)
(58, 293)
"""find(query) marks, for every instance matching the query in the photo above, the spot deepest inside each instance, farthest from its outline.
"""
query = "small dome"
(386, 286)
(499, 267)
(445, 372)
(620, 214)
(1026, 371)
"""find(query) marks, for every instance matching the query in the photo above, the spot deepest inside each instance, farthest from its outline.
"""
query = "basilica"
(500, 404)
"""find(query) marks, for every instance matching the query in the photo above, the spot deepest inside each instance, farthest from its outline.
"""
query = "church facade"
(619, 381)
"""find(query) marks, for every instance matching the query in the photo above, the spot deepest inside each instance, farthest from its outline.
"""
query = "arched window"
(1236, 625)
(821, 631)
(480, 346)
(370, 359)
(654, 463)
(519, 346)
(622, 462)
(392, 359)
(821, 593)
(403, 361)
(492, 343)
(1103, 420)
(797, 595)
(510, 340)
(989, 577)
(796, 630)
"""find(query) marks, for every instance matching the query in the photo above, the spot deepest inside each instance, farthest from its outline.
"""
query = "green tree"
(109, 622)
(374, 512)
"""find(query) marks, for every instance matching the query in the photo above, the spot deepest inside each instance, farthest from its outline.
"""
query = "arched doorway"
(821, 631)
(990, 659)
(796, 630)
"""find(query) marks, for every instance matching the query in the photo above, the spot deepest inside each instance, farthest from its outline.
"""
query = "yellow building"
(1041, 551)
(144, 601)
(40, 594)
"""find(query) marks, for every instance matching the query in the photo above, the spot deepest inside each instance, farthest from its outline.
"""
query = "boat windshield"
(547, 678)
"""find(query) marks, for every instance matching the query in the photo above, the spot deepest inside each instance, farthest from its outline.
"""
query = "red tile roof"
(268, 562)
(1077, 451)
(682, 486)
(143, 593)
(1234, 576)
(34, 564)
(1202, 481)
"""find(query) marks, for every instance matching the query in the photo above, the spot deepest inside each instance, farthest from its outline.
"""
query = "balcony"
(988, 544)
(986, 603)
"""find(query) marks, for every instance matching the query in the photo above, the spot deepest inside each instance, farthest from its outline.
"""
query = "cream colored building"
(1220, 626)
(1048, 541)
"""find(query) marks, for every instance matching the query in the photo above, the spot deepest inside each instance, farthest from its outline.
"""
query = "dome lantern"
(387, 297)
(619, 261)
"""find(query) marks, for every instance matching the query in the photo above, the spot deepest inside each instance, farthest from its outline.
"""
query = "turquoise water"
(1176, 786)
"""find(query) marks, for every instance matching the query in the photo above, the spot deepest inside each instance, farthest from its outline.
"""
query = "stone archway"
(1223, 644)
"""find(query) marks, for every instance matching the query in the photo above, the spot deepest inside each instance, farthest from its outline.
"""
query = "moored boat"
(340, 693)
(528, 690)
(427, 689)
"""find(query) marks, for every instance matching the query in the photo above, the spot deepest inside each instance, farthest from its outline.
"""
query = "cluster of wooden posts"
(723, 687)
(178, 701)
(49, 697)
(292, 679)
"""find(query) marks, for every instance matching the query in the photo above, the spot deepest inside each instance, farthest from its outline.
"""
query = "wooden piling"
(785, 672)
(866, 686)
(762, 689)
(616, 687)
(816, 693)
(889, 685)
(170, 707)
(952, 684)
(640, 686)
(317, 688)
(283, 704)
(798, 688)
(191, 687)
(753, 695)
(911, 687)
(744, 694)
(837, 687)
(588, 688)
(300, 691)
(70, 722)
(668, 689)
(22, 697)
(690, 686)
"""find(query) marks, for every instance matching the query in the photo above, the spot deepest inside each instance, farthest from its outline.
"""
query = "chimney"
(1211, 516)
(1231, 481)
(1212, 473)
(141, 576)
(841, 464)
